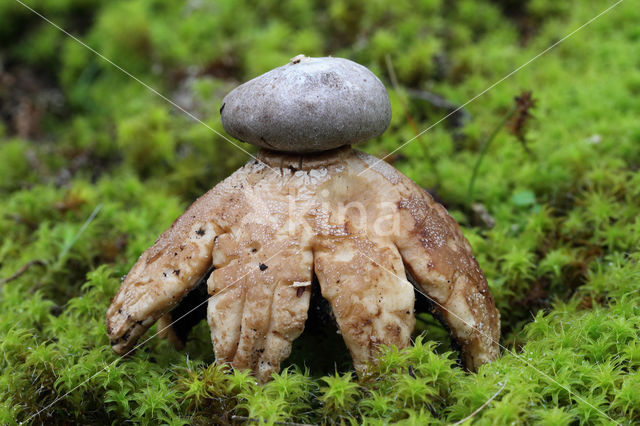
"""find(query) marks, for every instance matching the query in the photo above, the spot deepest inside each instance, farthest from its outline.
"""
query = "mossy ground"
(93, 167)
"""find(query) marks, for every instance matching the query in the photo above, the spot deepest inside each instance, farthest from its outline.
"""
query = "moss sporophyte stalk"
(561, 259)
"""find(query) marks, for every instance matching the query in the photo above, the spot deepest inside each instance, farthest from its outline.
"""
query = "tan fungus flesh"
(267, 233)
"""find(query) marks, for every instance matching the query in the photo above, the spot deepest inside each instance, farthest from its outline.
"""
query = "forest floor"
(94, 166)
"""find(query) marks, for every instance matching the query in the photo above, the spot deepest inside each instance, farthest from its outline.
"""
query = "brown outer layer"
(266, 234)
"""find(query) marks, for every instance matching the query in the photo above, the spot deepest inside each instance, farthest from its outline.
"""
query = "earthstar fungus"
(309, 204)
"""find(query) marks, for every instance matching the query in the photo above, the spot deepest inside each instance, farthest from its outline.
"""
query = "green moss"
(118, 164)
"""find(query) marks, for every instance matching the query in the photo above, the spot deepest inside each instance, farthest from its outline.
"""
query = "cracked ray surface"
(266, 234)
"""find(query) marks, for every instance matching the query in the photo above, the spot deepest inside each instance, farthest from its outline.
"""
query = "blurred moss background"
(93, 166)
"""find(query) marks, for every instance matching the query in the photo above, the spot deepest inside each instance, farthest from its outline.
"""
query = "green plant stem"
(65, 250)
(483, 152)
